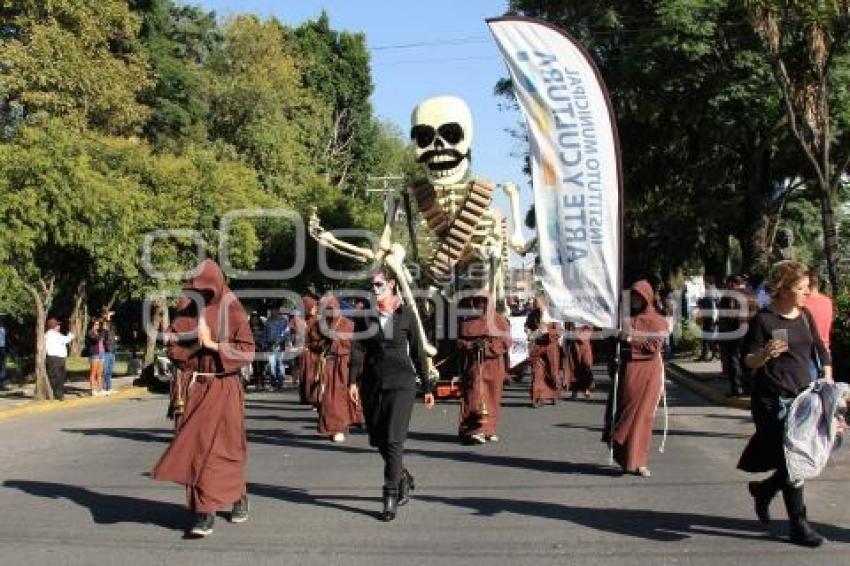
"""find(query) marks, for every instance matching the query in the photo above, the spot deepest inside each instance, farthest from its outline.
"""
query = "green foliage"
(840, 339)
(74, 58)
(703, 126)
(179, 41)
(124, 120)
(335, 66)
(260, 108)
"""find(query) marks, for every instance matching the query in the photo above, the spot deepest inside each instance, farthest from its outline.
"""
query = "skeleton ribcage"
(451, 224)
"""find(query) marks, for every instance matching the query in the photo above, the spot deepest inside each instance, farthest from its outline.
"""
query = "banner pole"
(614, 404)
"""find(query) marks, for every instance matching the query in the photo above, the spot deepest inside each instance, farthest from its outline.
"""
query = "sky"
(419, 50)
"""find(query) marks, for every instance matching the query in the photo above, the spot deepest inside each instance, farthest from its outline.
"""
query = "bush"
(840, 338)
(688, 339)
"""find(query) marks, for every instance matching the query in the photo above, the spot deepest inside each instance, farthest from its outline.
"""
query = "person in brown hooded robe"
(332, 337)
(209, 341)
(544, 354)
(304, 371)
(484, 343)
(579, 354)
(640, 381)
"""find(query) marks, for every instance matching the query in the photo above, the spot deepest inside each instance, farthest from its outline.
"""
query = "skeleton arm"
(517, 241)
(328, 240)
(395, 262)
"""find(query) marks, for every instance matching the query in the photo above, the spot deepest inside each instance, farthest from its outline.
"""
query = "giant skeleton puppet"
(459, 240)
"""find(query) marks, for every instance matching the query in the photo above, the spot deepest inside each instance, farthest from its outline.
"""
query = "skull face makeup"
(441, 128)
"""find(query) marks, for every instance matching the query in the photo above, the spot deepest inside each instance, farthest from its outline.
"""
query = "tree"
(260, 107)
(808, 46)
(75, 59)
(179, 42)
(56, 220)
(700, 126)
(335, 66)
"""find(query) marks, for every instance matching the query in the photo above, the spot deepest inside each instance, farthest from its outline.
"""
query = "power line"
(438, 60)
(459, 41)
(595, 30)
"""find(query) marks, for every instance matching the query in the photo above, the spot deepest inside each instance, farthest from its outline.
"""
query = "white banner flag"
(575, 164)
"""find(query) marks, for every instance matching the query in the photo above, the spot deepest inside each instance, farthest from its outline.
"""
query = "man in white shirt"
(56, 348)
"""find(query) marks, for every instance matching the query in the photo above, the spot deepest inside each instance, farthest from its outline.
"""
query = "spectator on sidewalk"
(707, 319)
(820, 306)
(2, 353)
(56, 350)
(277, 336)
(779, 347)
(95, 348)
(258, 332)
(110, 349)
(734, 313)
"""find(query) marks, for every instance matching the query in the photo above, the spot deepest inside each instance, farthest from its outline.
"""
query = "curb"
(684, 378)
(38, 407)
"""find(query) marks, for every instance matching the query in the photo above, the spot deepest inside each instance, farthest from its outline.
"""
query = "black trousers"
(388, 419)
(709, 343)
(56, 376)
(731, 358)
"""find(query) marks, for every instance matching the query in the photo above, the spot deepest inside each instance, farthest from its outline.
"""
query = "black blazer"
(390, 359)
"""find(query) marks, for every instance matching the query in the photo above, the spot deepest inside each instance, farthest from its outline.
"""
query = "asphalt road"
(74, 491)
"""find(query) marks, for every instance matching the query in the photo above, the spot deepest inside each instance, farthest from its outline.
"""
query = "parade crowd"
(361, 364)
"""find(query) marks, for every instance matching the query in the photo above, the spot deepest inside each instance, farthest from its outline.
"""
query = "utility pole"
(386, 188)
(385, 183)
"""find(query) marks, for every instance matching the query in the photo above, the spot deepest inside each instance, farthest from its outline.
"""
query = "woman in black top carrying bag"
(387, 356)
(781, 345)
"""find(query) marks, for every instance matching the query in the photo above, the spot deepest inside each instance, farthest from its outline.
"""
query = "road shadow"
(549, 466)
(108, 509)
(436, 437)
(262, 398)
(670, 432)
(256, 436)
(659, 526)
(279, 418)
(303, 497)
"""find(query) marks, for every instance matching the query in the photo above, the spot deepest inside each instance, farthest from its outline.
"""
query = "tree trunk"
(755, 250)
(830, 239)
(159, 322)
(79, 319)
(41, 300)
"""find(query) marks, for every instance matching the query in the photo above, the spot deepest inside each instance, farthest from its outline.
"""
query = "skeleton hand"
(314, 225)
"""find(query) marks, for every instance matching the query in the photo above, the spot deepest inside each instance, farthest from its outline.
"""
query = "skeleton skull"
(441, 128)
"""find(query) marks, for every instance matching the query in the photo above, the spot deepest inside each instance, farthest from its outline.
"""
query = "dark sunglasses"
(424, 135)
(378, 284)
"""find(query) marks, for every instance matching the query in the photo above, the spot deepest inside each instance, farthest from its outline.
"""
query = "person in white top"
(56, 348)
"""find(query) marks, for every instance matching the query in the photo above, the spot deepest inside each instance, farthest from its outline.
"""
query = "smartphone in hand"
(780, 335)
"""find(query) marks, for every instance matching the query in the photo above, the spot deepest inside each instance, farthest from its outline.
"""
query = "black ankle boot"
(390, 505)
(801, 532)
(763, 493)
(405, 486)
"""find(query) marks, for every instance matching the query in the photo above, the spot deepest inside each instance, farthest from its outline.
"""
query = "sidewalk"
(706, 379)
(18, 400)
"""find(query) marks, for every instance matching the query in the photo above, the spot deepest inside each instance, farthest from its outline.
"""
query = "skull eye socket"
(423, 135)
(452, 132)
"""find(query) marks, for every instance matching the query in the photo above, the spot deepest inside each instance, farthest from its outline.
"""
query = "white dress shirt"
(56, 343)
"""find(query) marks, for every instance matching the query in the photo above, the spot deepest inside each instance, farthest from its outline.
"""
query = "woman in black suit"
(387, 357)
